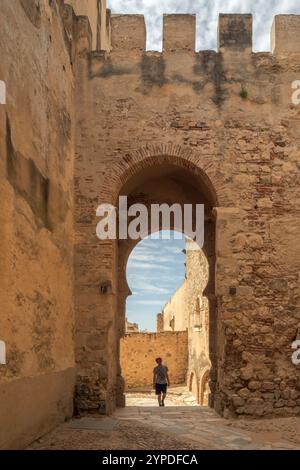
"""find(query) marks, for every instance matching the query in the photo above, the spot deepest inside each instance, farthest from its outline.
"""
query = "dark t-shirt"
(161, 373)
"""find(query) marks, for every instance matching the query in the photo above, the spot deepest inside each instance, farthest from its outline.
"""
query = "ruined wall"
(175, 313)
(229, 115)
(159, 323)
(131, 327)
(139, 351)
(36, 220)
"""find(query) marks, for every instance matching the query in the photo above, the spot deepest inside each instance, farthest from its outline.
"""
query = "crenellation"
(121, 32)
(285, 34)
(128, 32)
(235, 32)
(179, 32)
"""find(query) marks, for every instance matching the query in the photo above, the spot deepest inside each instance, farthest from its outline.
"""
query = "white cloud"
(150, 289)
(138, 265)
(174, 250)
(149, 302)
(149, 257)
(207, 16)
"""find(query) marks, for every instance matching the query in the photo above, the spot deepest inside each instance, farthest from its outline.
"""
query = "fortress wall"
(139, 351)
(227, 113)
(230, 113)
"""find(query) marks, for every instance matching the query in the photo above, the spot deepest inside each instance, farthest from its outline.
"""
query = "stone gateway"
(90, 115)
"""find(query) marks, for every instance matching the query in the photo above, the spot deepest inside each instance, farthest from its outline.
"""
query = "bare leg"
(163, 399)
(159, 399)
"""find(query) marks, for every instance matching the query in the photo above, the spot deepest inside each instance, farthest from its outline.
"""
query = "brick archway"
(101, 316)
(117, 174)
(136, 172)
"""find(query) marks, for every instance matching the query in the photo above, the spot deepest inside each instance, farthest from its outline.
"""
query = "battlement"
(127, 32)
(285, 35)
(234, 33)
(179, 32)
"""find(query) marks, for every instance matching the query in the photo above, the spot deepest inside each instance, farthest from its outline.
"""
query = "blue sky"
(155, 270)
(207, 13)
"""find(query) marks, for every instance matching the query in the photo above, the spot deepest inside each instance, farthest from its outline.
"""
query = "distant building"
(159, 322)
(131, 327)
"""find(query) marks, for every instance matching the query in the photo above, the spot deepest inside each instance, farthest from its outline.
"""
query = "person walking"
(160, 381)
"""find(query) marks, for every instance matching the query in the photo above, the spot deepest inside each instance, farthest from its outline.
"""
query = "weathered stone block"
(128, 32)
(285, 35)
(254, 385)
(247, 372)
(235, 32)
(179, 32)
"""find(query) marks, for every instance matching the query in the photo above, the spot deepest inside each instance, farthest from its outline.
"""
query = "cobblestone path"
(180, 425)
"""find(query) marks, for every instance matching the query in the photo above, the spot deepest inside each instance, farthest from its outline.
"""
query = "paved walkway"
(180, 425)
(177, 396)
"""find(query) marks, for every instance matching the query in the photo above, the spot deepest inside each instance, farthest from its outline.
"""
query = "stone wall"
(155, 126)
(159, 322)
(95, 11)
(175, 313)
(139, 351)
(218, 128)
(131, 327)
(188, 309)
(199, 335)
(36, 220)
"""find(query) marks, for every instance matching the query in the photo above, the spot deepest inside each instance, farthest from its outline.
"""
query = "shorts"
(160, 388)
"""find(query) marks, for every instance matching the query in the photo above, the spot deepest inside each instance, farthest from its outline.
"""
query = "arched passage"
(166, 180)
(155, 274)
(155, 175)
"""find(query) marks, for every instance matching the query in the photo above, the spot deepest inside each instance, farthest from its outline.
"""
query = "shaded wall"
(36, 221)
(96, 12)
